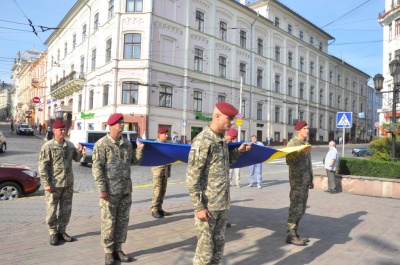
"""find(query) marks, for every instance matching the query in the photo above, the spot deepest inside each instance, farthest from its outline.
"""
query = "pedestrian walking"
(207, 180)
(12, 126)
(49, 133)
(112, 158)
(55, 170)
(269, 140)
(255, 169)
(301, 180)
(40, 128)
(175, 138)
(331, 162)
(160, 180)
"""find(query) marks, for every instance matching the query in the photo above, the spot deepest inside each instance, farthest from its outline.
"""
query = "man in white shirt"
(331, 162)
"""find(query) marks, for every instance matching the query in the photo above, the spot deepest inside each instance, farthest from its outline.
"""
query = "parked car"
(17, 180)
(3, 144)
(25, 129)
(362, 151)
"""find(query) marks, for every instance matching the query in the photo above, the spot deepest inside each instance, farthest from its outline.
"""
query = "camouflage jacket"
(300, 166)
(207, 175)
(161, 171)
(55, 163)
(111, 166)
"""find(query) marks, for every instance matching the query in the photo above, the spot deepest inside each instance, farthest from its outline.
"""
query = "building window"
(390, 31)
(312, 93)
(199, 21)
(243, 39)
(65, 49)
(82, 67)
(110, 9)
(260, 46)
(301, 64)
(346, 83)
(397, 28)
(361, 90)
(338, 102)
(312, 41)
(321, 121)
(198, 60)
(132, 46)
(361, 107)
(80, 103)
(321, 72)
(354, 106)
(290, 87)
(73, 41)
(242, 72)
(277, 54)
(58, 56)
(259, 111)
(277, 114)
(289, 29)
(130, 92)
(338, 80)
(321, 96)
(301, 91)
(354, 87)
(277, 83)
(106, 89)
(301, 115)
(134, 5)
(94, 59)
(312, 68)
(243, 108)
(311, 120)
(320, 46)
(84, 33)
(290, 116)
(197, 101)
(346, 101)
(96, 22)
(277, 22)
(91, 99)
(301, 35)
(108, 50)
(259, 78)
(221, 98)
(166, 96)
(222, 67)
(330, 123)
(223, 30)
(290, 59)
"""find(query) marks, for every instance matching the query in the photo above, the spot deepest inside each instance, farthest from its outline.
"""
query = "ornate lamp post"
(394, 67)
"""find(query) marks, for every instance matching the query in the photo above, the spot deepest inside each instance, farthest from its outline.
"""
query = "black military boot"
(122, 257)
(157, 215)
(164, 213)
(109, 259)
(54, 239)
(295, 240)
(64, 236)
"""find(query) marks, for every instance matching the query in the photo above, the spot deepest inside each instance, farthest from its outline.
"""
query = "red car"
(17, 180)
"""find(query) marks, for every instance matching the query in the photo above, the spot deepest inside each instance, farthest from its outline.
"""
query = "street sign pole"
(343, 141)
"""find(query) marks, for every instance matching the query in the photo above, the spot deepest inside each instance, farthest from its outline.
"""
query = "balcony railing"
(70, 77)
(384, 13)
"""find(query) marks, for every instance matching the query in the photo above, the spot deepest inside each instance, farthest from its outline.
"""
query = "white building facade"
(166, 63)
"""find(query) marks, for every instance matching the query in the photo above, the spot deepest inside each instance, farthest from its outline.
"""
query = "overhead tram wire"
(345, 14)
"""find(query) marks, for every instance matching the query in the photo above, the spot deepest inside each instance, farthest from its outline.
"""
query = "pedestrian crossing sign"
(344, 119)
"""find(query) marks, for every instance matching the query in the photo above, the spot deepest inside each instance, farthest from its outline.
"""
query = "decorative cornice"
(169, 27)
(243, 54)
(224, 12)
(204, 3)
(291, 73)
(260, 60)
(243, 22)
(302, 77)
(132, 21)
(199, 37)
(278, 68)
(261, 31)
(222, 46)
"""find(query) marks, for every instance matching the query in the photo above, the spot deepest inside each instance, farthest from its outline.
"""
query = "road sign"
(239, 116)
(344, 119)
(239, 122)
(184, 123)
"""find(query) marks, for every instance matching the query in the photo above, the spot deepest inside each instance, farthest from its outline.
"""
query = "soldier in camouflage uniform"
(207, 178)
(301, 180)
(160, 180)
(112, 158)
(55, 169)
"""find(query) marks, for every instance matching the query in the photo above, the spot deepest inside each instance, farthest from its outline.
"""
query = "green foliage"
(368, 167)
(381, 148)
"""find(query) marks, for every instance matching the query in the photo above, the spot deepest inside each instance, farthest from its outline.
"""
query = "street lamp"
(394, 67)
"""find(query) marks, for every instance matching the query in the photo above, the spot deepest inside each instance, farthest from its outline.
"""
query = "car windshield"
(25, 126)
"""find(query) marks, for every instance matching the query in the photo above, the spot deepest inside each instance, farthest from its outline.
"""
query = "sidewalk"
(343, 229)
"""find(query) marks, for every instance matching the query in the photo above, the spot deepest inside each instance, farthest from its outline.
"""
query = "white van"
(91, 136)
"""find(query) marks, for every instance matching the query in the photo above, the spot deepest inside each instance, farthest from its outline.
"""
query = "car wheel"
(3, 148)
(84, 164)
(9, 191)
(362, 154)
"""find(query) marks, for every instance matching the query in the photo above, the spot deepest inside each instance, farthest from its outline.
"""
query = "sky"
(353, 24)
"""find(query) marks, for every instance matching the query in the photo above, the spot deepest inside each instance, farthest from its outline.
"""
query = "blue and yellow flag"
(158, 154)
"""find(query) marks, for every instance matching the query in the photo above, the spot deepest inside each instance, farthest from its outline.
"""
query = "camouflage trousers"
(210, 239)
(59, 198)
(159, 190)
(114, 221)
(297, 208)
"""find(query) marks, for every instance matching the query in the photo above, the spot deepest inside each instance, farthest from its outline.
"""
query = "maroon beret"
(114, 118)
(58, 124)
(163, 130)
(300, 125)
(227, 109)
(232, 132)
